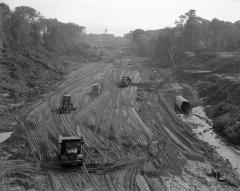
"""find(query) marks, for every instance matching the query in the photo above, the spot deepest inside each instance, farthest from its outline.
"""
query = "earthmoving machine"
(66, 105)
(125, 81)
(71, 150)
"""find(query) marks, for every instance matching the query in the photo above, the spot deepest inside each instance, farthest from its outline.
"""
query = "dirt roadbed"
(134, 137)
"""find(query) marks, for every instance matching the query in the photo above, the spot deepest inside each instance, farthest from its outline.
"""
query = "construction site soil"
(135, 139)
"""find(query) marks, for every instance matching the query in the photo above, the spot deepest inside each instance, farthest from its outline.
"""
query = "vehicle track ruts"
(178, 129)
(45, 153)
(121, 138)
(90, 179)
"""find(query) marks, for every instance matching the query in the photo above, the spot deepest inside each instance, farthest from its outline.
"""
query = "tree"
(25, 28)
(5, 13)
(190, 30)
(215, 27)
(60, 35)
(162, 50)
(139, 41)
(23, 24)
(237, 25)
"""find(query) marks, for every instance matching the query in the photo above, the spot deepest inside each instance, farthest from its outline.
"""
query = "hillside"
(216, 77)
(35, 54)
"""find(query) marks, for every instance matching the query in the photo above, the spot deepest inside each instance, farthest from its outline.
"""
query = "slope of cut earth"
(24, 77)
(134, 138)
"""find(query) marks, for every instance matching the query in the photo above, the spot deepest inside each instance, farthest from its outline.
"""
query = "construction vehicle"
(125, 81)
(66, 105)
(71, 150)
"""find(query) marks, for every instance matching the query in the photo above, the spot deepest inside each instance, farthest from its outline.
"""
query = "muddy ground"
(135, 139)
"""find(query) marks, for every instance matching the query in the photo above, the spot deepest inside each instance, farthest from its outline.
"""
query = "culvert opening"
(186, 107)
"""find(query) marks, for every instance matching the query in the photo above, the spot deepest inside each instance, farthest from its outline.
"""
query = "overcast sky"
(121, 16)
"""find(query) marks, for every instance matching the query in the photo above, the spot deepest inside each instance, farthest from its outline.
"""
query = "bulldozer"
(66, 105)
(71, 150)
(125, 81)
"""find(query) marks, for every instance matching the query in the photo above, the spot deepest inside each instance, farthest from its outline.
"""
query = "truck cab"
(125, 81)
(71, 150)
(66, 104)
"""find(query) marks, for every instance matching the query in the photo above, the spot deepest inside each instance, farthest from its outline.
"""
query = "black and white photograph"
(119, 95)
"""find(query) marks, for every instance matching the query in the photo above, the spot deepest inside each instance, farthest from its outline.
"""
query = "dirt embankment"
(216, 76)
(24, 78)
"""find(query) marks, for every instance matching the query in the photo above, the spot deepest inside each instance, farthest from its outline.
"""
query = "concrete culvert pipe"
(183, 105)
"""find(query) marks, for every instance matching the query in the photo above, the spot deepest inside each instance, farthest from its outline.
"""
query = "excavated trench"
(134, 138)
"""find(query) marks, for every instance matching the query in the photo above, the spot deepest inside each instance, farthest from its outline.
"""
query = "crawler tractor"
(66, 105)
(71, 150)
(125, 81)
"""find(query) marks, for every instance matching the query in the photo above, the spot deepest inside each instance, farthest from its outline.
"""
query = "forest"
(25, 28)
(190, 33)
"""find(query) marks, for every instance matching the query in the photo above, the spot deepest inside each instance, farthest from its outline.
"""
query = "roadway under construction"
(134, 139)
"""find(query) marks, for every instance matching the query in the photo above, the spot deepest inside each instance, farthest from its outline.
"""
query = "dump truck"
(71, 150)
(66, 105)
(125, 81)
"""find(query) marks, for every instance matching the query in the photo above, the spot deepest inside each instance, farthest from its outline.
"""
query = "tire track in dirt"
(121, 139)
(38, 133)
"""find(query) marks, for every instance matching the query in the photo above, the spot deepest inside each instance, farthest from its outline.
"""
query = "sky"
(121, 16)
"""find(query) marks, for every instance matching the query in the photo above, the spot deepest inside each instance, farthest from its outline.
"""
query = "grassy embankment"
(218, 81)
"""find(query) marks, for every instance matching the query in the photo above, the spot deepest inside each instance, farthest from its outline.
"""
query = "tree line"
(190, 33)
(196, 32)
(25, 28)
